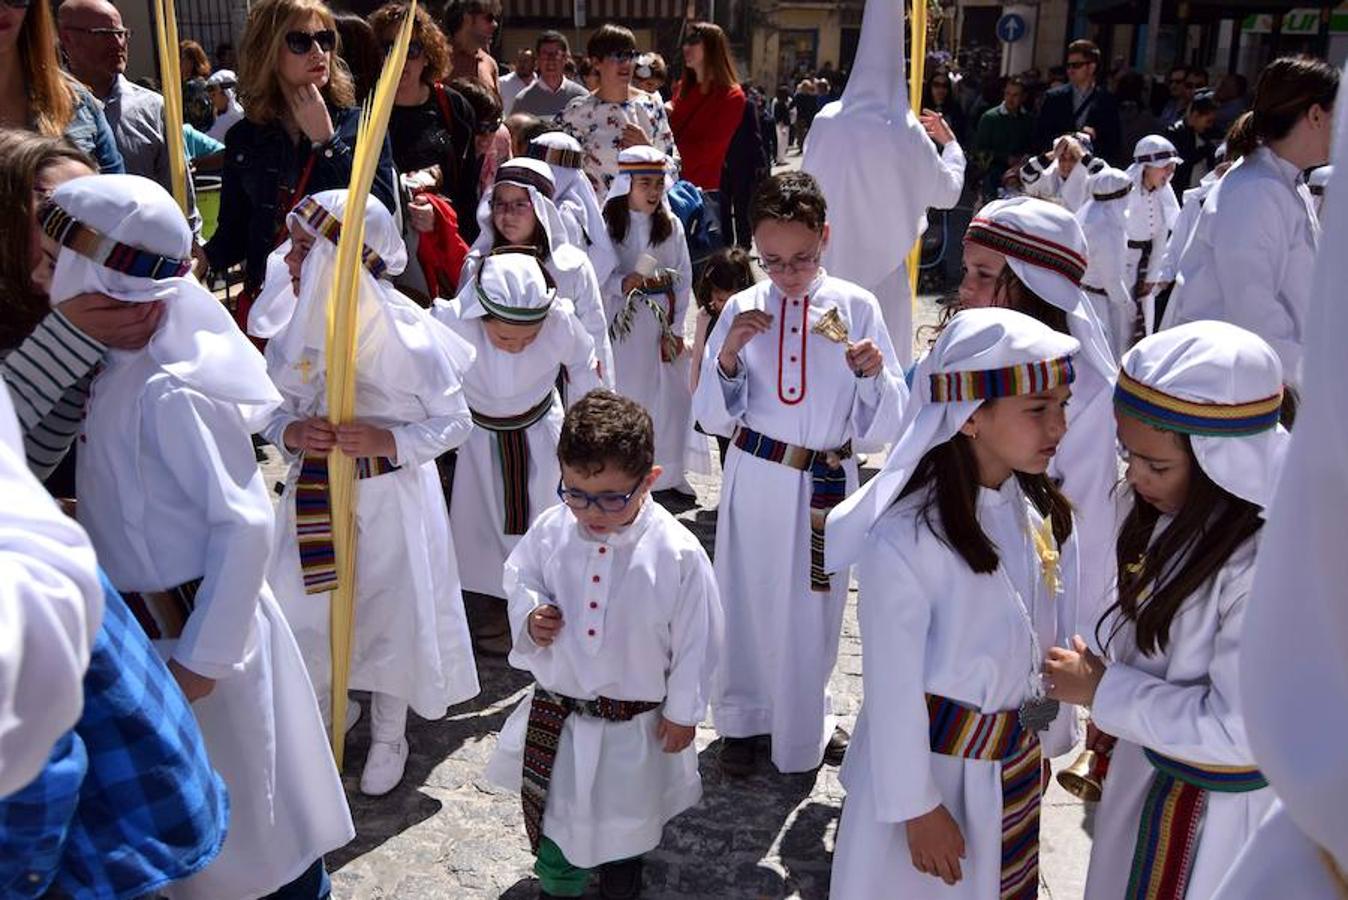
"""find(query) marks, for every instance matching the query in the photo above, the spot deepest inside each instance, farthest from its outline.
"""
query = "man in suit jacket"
(1081, 104)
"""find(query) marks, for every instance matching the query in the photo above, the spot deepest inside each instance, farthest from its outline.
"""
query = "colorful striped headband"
(1155, 157)
(641, 167)
(562, 157)
(1115, 195)
(515, 315)
(1034, 250)
(317, 217)
(528, 178)
(1012, 381)
(1169, 413)
(68, 231)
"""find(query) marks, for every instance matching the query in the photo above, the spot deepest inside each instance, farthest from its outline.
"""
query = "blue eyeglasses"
(607, 501)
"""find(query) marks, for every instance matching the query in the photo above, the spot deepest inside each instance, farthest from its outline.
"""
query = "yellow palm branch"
(166, 39)
(917, 22)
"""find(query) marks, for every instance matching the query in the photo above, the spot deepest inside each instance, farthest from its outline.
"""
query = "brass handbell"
(832, 327)
(1083, 778)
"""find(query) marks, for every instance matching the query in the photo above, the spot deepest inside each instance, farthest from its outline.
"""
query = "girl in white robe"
(646, 298)
(1105, 281)
(517, 213)
(522, 336)
(181, 518)
(410, 645)
(794, 395)
(1197, 409)
(966, 567)
(575, 199)
(1042, 176)
(1152, 210)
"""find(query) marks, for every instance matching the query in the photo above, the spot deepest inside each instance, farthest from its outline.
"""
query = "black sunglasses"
(300, 42)
(622, 56)
(414, 49)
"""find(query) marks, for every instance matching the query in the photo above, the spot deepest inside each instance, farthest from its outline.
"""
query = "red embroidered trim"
(781, 349)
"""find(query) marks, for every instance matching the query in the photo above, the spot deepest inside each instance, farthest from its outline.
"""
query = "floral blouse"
(598, 125)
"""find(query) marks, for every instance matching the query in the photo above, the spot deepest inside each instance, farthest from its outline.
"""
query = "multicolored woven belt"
(547, 715)
(828, 486)
(313, 517)
(512, 447)
(1172, 821)
(959, 730)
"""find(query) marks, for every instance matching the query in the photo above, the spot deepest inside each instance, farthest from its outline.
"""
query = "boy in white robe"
(1197, 408)
(410, 646)
(506, 472)
(180, 515)
(1152, 210)
(614, 610)
(1063, 174)
(798, 369)
(647, 298)
(1103, 219)
(967, 571)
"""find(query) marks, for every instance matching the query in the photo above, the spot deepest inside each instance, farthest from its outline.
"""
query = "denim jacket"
(262, 166)
(89, 131)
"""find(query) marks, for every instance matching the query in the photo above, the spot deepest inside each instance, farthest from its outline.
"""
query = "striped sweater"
(48, 376)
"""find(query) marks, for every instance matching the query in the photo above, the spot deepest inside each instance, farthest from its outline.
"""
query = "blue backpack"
(700, 213)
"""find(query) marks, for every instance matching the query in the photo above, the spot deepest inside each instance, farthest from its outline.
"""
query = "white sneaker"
(383, 767)
(352, 715)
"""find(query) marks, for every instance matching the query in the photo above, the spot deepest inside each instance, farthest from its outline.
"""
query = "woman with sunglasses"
(939, 97)
(617, 115)
(298, 136)
(37, 95)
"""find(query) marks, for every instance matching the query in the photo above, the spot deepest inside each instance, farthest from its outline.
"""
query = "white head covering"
(297, 326)
(639, 160)
(1222, 386)
(1107, 198)
(1317, 181)
(878, 83)
(124, 236)
(508, 286)
(981, 354)
(575, 195)
(1152, 152)
(534, 176)
(1046, 249)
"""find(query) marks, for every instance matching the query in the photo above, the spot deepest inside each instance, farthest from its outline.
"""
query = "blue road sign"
(1010, 28)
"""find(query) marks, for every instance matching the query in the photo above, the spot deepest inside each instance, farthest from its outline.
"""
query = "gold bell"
(1082, 779)
(832, 327)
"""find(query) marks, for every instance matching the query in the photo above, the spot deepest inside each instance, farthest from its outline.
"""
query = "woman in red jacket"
(708, 105)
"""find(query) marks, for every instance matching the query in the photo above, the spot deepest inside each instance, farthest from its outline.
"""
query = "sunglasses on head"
(414, 49)
(622, 56)
(300, 42)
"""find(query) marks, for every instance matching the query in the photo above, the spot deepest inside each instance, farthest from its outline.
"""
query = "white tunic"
(793, 386)
(508, 384)
(170, 491)
(1040, 177)
(411, 635)
(1279, 860)
(1183, 230)
(1107, 251)
(575, 280)
(1252, 255)
(1183, 702)
(930, 624)
(662, 387)
(641, 621)
(1151, 215)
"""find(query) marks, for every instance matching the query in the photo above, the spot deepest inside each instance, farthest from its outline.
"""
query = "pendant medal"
(1038, 713)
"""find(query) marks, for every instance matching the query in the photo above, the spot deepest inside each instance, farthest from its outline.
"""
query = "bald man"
(94, 42)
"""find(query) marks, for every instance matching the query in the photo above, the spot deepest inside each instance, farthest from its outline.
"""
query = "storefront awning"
(1129, 12)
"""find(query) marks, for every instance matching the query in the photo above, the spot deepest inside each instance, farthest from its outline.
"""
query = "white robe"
(1151, 215)
(641, 621)
(1252, 256)
(411, 634)
(1040, 177)
(507, 384)
(1103, 223)
(1182, 703)
(793, 386)
(930, 624)
(170, 491)
(661, 387)
(1183, 230)
(575, 280)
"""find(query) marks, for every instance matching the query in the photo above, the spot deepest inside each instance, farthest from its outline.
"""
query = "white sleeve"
(581, 363)
(206, 451)
(948, 184)
(720, 402)
(51, 607)
(525, 589)
(447, 425)
(683, 285)
(877, 407)
(589, 306)
(695, 643)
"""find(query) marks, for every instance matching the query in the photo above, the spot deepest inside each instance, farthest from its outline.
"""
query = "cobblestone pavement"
(445, 833)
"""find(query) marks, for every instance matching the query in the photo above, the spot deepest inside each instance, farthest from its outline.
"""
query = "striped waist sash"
(828, 486)
(1172, 822)
(513, 454)
(1092, 289)
(958, 730)
(313, 517)
(162, 614)
(547, 714)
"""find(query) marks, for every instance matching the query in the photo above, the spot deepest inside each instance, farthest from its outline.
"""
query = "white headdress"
(508, 286)
(639, 160)
(575, 199)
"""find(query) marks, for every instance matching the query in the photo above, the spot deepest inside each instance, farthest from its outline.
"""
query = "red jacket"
(703, 125)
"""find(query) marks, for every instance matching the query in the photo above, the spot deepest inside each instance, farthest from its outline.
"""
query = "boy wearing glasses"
(797, 370)
(615, 611)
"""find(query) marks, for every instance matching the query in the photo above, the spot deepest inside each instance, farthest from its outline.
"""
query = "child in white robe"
(797, 370)
(614, 610)
(575, 199)
(966, 566)
(517, 213)
(506, 472)
(1152, 210)
(647, 297)
(1063, 174)
(1103, 219)
(181, 518)
(410, 646)
(1197, 408)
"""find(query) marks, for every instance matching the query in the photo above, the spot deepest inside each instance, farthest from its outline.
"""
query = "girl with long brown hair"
(298, 136)
(708, 105)
(35, 92)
